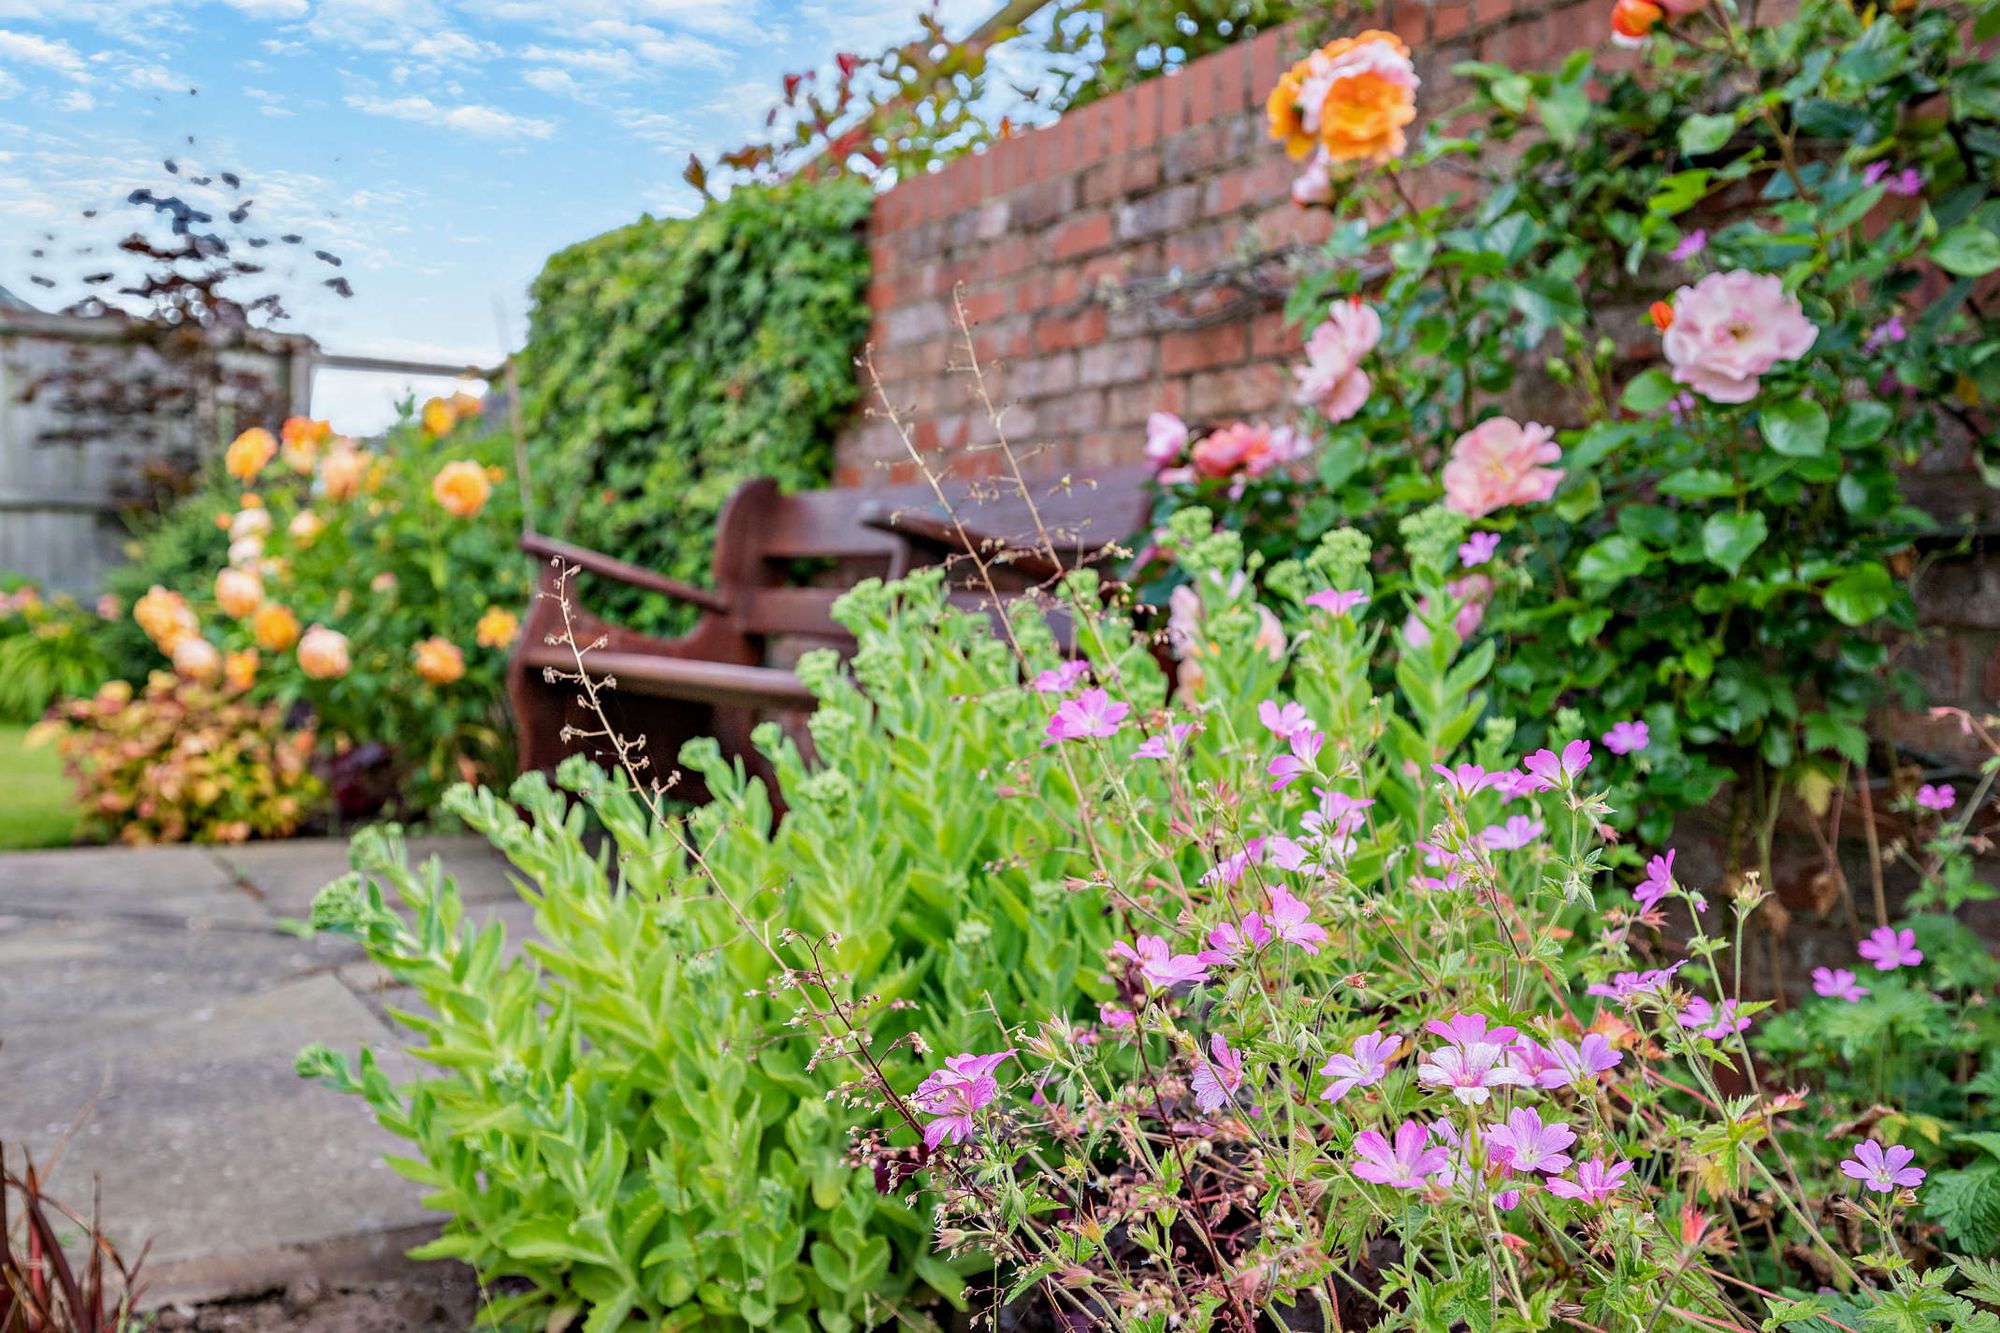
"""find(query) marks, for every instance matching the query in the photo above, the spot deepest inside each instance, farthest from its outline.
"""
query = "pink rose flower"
(1251, 450)
(1166, 439)
(1499, 463)
(1729, 329)
(1332, 379)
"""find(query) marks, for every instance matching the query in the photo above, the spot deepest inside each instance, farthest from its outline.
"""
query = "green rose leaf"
(1612, 559)
(1968, 250)
(1861, 422)
(1728, 539)
(1698, 483)
(1705, 134)
(1648, 392)
(1860, 595)
(1795, 427)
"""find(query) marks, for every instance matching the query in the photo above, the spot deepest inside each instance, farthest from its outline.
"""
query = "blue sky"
(443, 148)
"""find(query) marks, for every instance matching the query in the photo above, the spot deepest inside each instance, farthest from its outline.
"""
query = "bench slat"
(722, 683)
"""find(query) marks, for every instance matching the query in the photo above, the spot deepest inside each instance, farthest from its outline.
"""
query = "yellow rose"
(274, 627)
(238, 591)
(439, 661)
(341, 471)
(165, 617)
(323, 653)
(439, 416)
(461, 488)
(239, 670)
(249, 452)
(497, 628)
(197, 659)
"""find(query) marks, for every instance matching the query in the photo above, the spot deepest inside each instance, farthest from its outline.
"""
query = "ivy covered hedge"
(672, 359)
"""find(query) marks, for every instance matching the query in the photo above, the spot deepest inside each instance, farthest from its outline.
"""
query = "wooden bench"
(720, 679)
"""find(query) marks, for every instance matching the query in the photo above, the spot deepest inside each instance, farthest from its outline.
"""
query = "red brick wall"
(1106, 261)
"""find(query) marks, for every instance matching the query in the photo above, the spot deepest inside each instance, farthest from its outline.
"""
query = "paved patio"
(150, 1009)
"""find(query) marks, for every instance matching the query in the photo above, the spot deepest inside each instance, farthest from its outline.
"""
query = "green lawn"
(34, 795)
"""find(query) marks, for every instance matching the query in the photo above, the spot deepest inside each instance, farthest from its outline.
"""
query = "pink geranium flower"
(1478, 548)
(1229, 940)
(1163, 745)
(1365, 1064)
(1470, 1030)
(1837, 983)
(1729, 329)
(1936, 798)
(1283, 721)
(1332, 380)
(1465, 780)
(1303, 760)
(1230, 869)
(1471, 1072)
(1689, 246)
(1406, 1164)
(1555, 771)
(1501, 462)
(953, 1094)
(1659, 881)
(1525, 1144)
(1166, 439)
(1517, 832)
(1890, 949)
(1628, 984)
(1336, 603)
(1627, 737)
(1883, 1170)
(1712, 1021)
(1092, 713)
(1594, 1183)
(1291, 920)
(1582, 1062)
(1218, 1076)
(1059, 679)
(1113, 1016)
(1158, 965)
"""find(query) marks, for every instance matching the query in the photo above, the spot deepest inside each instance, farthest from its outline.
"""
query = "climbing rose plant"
(1677, 359)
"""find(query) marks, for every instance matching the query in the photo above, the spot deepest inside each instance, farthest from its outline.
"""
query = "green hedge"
(670, 360)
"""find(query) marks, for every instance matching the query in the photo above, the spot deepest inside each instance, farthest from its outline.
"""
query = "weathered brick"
(1203, 349)
(1038, 377)
(1193, 152)
(914, 323)
(1116, 362)
(1238, 392)
(1162, 211)
(1079, 236)
(1063, 332)
(1037, 205)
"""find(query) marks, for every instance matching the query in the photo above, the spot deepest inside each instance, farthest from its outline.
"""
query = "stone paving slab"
(205, 1141)
(150, 1011)
(149, 883)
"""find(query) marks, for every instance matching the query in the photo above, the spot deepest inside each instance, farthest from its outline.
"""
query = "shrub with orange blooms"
(374, 585)
(249, 452)
(185, 760)
(1347, 102)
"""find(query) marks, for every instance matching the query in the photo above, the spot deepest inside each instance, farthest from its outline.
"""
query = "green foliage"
(671, 360)
(49, 648)
(628, 1117)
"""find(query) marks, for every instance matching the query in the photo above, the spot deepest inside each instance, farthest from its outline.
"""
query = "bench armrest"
(623, 571)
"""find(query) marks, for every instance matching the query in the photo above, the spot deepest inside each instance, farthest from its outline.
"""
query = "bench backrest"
(763, 534)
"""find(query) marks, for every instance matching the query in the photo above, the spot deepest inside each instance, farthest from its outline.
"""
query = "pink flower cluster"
(955, 1093)
(1332, 381)
(1240, 451)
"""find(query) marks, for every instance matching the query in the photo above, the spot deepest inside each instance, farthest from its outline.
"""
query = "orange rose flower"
(461, 488)
(197, 658)
(1632, 20)
(465, 405)
(497, 628)
(303, 438)
(274, 627)
(305, 526)
(438, 417)
(323, 653)
(341, 471)
(238, 592)
(239, 670)
(165, 617)
(439, 661)
(249, 452)
(1349, 100)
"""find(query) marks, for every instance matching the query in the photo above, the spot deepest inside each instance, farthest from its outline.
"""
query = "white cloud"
(603, 63)
(9, 85)
(470, 118)
(155, 79)
(555, 82)
(77, 100)
(268, 103)
(27, 49)
(270, 9)
(658, 129)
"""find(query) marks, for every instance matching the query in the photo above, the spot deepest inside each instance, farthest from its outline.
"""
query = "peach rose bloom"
(341, 472)
(1242, 447)
(238, 592)
(1332, 379)
(1499, 463)
(323, 653)
(1350, 100)
(249, 452)
(305, 526)
(302, 440)
(165, 617)
(197, 658)
(466, 406)
(1731, 328)
(438, 417)
(497, 628)
(439, 661)
(461, 488)
(239, 670)
(254, 521)
(274, 627)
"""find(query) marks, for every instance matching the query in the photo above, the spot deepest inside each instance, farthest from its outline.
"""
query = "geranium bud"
(1663, 315)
